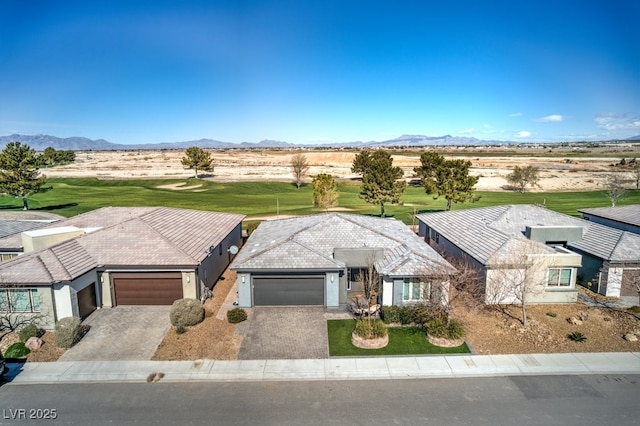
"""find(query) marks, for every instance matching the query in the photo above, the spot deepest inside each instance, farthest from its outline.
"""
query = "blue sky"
(320, 71)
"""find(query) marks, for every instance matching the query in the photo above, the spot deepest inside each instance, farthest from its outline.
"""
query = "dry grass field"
(560, 169)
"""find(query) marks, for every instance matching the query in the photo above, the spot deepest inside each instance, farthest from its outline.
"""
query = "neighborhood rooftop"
(311, 240)
(482, 232)
(624, 214)
(122, 236)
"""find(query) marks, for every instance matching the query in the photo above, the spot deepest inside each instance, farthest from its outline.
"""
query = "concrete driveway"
(123, 333)
(285, 333)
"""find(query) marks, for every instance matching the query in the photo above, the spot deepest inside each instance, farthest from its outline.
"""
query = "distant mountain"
(40, 142)
(633, 138)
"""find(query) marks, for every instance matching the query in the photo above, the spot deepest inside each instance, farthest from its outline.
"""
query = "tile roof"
(624, 214)
(137, 236)
(10, 227)
(482, 232)
(308, 243)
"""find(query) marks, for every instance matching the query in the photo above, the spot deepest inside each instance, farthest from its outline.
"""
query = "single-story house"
(496, 240)
(625, 218)
(316, 260)
(116, 256)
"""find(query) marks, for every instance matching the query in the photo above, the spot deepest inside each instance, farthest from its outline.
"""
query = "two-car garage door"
(161, 288)
(288, 290)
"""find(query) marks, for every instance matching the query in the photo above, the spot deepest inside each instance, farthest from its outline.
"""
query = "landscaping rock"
(575, 321)
(33, 343)
(630, 337)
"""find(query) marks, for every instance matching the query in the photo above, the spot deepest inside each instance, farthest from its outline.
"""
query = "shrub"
(186, 312)
(236, 315)
(552, 314)
(68, 332)
(422, 314)
(17, 350)
(576, 336)
(30, 330)
(438, 327)
(370, 329)
(407, 315)
(635, 309)
(390, 314)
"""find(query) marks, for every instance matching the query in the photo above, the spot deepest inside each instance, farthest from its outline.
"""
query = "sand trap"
(180, 187)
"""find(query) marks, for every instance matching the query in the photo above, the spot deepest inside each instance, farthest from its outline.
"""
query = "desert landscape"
(560, 170)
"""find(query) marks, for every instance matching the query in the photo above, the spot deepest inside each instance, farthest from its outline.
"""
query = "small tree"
(300, 167)
(615, 187)
(325, 191)
(521, 177)
(380, 179)
(518, 272)
(198, 159)
(447, 178)
(19, 174)
(13, 315)
(369, 280)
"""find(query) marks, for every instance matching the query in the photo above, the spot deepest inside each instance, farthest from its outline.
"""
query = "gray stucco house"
(572, 250)
(116, 256)
(314, 260)
(625, 218)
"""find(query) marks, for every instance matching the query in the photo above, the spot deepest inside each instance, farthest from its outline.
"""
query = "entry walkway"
(325, 369)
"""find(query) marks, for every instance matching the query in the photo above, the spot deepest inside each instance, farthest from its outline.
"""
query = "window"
(19, 300)
(7, 256)
(414, 290)
(559, 277)
(434, 236)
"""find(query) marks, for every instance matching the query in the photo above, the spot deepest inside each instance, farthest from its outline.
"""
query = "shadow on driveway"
(122, 333)
(285, 333)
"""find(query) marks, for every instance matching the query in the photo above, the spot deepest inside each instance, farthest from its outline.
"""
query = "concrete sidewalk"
(325, 369)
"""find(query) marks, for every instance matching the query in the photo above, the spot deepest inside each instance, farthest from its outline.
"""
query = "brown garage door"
(161, 288)
(87, 300)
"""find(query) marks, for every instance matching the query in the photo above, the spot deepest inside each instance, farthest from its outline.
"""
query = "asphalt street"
(523, 400)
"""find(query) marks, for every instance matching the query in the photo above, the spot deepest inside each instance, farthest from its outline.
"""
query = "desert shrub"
(438, 327)
(17, 350)
(370, 329)
(576, 336)
(422, 314)
(635, 309)
(390, 314)
(68, 332)
(236, 315)
(30, 330)
(552, 314)
(186, 312)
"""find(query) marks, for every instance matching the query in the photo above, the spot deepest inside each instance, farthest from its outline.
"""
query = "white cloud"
(523, 134)
(487, 126)
(553, 118)
(516, 114)
(468, 131)
(614, 121)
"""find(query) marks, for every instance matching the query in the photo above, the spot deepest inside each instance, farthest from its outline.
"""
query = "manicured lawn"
(72, 196)
(402, 341)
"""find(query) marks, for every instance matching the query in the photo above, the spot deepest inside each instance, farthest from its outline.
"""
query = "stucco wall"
(46, 318)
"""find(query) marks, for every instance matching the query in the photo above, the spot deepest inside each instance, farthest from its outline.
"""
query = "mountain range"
(40, 142)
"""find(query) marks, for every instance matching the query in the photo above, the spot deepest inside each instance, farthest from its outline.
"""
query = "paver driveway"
(121, 333)
(285, 333)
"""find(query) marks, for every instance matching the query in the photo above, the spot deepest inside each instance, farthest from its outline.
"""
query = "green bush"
(552, 314)
(17, 350)
(635, 309)
(236, 315)
(370, 329)
(30, 330)
(407, 315)
(69, 331)
(422, 314)
(186, 312)
(576, 336)
(390, 314)
(438, 327)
